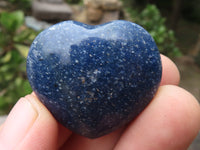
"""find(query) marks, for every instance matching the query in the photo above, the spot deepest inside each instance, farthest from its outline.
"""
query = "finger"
(63, 132)
(170, 73)
(171, 121)
(17, 125)
(46, 127)
(106, 142)
(29, 126)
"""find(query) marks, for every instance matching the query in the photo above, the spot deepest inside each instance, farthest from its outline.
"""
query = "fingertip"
(30, 126)
(182, 103)
(170, 72)
(183, 116)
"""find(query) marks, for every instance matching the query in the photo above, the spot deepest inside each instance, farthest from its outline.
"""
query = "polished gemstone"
(94, 79)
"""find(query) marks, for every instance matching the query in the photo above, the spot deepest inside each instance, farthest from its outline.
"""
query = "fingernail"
(17, 125)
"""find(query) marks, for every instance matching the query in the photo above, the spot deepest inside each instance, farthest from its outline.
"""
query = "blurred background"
(174, 25)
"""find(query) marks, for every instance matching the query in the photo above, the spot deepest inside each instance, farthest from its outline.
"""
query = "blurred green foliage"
(22, 4)
(189, 9)
(15, 40)
(151, 19)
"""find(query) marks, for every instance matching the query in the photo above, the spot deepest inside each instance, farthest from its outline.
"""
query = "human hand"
(170, 122)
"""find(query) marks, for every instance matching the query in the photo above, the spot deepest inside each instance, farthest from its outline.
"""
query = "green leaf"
(162, 30)
(18, 81)
(12, 21)
(22, 36)
(4, 68)
(22, 49)
(9, 76)
(27, 88)
(6, 58)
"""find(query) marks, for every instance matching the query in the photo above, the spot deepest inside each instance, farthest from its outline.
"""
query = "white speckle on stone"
(84, 51)
(36, 53)
(132, 52)
(35, 42)
(76, 61)
(93, 79)
(96, 71)
(52, 28)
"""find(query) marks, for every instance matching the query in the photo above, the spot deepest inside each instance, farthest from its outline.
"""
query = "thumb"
(29, 126)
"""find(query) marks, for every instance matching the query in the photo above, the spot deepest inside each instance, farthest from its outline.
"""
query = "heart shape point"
(94, 79)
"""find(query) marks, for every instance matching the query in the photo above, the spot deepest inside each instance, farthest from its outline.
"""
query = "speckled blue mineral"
(94, 79)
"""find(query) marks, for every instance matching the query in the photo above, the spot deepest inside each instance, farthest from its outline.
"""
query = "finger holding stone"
(30, 126)
(171, 121)
(17, 124)
(45, 132)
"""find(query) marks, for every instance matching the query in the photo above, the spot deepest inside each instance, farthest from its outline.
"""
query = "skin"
(170, 122)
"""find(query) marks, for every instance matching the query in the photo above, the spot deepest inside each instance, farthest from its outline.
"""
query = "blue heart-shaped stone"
(94, 79)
